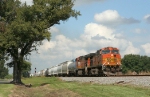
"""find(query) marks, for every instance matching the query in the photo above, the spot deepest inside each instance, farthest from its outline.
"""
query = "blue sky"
(124, 24)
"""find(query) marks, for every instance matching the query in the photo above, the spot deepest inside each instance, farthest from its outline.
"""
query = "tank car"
(51, 71)
(72, 68)
(41, 73)
(65, 70)
(44, 72)
(54, 72)
(59, 69)
(38, 73)
(48, 72)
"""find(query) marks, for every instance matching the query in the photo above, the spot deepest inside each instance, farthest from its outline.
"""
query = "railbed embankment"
(143, 81)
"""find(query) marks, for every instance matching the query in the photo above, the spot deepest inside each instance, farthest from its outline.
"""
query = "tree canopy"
(24, 27)
(136, 63)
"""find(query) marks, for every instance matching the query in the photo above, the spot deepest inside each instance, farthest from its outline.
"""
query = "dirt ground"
(41, 91)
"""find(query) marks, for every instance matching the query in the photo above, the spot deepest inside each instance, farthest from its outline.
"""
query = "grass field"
(5, 89)
(54, 87)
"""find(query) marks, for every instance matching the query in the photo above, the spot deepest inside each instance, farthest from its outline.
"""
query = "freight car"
(72, 68)
(66, 68)
(104, 62)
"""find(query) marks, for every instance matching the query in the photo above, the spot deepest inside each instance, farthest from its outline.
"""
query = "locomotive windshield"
(115, 51)
(105, 51)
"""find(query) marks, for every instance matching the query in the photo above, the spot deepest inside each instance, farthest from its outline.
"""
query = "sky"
(124, 24)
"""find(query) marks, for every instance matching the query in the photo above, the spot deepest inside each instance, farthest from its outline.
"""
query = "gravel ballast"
(139, 80)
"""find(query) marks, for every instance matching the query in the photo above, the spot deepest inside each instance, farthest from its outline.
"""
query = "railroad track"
(129, 75)
(110, 76)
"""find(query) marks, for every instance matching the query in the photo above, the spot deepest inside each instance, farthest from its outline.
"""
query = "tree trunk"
(14, 71)
(17, 71)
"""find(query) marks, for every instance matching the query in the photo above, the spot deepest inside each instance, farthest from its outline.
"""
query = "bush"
(9, 76)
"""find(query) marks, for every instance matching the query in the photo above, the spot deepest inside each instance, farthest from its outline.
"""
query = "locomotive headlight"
(112, 55)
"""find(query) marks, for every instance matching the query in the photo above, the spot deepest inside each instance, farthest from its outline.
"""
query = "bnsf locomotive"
(104, 62)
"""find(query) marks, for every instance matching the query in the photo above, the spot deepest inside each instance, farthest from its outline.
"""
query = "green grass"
(91, 90)
(96, 90)
(39, 81)
(5, 89)
(83, 89)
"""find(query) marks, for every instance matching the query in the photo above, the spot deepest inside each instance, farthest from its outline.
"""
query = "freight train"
(104, 62)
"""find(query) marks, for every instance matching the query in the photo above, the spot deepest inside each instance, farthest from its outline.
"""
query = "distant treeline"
(3, 69)
(135, 63)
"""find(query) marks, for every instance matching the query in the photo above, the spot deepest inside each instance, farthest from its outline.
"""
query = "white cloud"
(98, 36)
(111, 17)
(95, 36)
(146, 47)
(137, 30)
(147, 18)
(119, 36)
(62, 47)
(131, 49)
(93, 30)
(140, 30)
(47, 45)
(53, 29)
(107, 16)
(80, 52)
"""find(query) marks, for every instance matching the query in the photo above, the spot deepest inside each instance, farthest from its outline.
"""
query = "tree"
(27, 26)
(135, 63)
(3, 70)
(26, 68)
